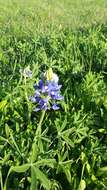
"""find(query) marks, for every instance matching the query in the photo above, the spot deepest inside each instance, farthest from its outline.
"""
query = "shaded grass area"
(76, 136)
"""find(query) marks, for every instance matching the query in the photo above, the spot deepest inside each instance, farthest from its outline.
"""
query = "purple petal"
(37, 99)
(32, 98)
(40, 84)
(45, 89)
(37, 109)
(43, 102)
(46, 108)
(52, 93)
(55, 107)
(57, 97)
(37, 93)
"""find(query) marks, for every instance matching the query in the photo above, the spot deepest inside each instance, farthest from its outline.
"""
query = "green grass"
(42, 16)
(70, 151)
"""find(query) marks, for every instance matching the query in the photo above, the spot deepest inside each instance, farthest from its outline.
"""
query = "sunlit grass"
(35, 15)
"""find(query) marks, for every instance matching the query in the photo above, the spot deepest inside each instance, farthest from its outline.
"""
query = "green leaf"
(5, 183)
(33, 179)
(42, 178)
(40, 145)
(3, 139)
(16, 146)
(68, 131)
(88, 167)
(34, 152)
(103, 169)
(20, 169)
(3, 104)
(83, 157)
(7, 130)
(44, 162)
(82, 185)
(68, 141)
(105, 101)
(68, 174)
(63, 125)
(46, 139)
(6, 158)
(102, 130)
(93, 178)
(1, 180)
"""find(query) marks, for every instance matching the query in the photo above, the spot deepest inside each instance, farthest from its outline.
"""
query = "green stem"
(27, 99)
(38, 130)
(82, 173)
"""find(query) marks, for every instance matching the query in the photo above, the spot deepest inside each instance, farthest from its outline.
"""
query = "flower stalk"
(38, 130)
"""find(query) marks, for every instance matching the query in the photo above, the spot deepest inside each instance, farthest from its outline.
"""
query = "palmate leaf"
(62, 127)
(18, 169)
(11, 141)
(36, 173)
(65, 136)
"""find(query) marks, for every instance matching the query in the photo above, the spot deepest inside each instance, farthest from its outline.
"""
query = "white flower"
(26, 72)
(50, 76)
(55, 78)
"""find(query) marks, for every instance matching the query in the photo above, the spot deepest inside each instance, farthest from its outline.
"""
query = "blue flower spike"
(47, 92)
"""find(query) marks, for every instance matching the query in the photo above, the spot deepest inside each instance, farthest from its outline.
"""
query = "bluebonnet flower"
(47, 93)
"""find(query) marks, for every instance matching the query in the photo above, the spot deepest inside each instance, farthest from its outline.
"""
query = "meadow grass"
(70, 150)
(44, 16)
